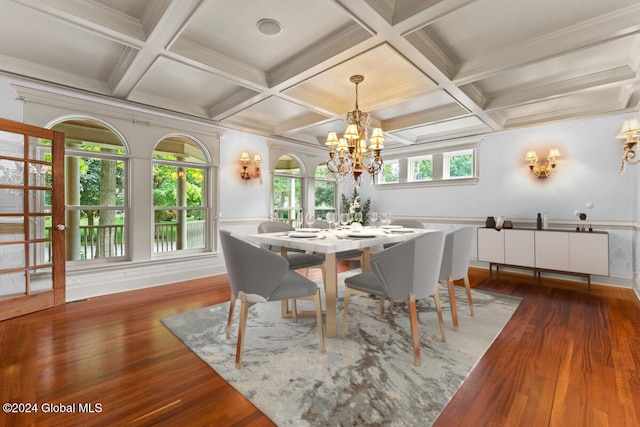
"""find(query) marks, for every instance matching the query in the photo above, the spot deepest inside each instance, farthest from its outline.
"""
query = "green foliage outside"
(461, 166)
(391, 172)
(423, 170)
(165, 190)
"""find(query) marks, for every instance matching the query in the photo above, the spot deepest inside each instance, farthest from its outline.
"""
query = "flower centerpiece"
(355, 205)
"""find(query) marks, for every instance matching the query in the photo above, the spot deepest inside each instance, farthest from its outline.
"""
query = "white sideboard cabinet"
(560, 251)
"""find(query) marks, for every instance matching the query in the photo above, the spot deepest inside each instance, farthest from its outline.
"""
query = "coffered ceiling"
(434, 70)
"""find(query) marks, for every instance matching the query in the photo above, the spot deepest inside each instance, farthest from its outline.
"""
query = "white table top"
(331, 241)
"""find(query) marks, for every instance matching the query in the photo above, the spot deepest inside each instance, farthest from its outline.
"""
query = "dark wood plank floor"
(568, 357)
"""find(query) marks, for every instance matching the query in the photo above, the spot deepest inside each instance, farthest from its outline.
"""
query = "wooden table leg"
(331, 294)
(366, 254)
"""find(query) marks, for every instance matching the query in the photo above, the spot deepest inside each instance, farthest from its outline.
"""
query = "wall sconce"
(250, 168)
(631, 134)
(543, 168)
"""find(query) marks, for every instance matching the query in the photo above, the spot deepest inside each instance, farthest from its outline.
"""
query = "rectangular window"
(287, 199)
(421, 168)
(179, 207)
(458, 164)
(390, 172)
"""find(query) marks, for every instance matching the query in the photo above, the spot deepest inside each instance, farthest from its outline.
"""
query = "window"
(95, 196)
(287, 191)
(390, 172)
(325, 192)
(458, 164)
(421, 168)
(179, 195)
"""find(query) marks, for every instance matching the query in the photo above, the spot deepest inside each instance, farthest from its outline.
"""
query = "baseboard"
(91, 283)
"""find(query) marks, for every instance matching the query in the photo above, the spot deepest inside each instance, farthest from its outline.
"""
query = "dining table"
(329, 243)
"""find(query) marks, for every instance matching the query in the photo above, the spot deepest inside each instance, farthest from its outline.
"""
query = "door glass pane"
(39, 201)
(41, 280)
(12, 256)
(11, 144)
(40, 227)
(12, 284)
(11, 172)
(40, 175)
(38, 252)
(11, 229)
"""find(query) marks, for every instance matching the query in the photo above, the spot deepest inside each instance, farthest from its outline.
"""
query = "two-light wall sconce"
(250, 168)
(543, 168)
(631, 134)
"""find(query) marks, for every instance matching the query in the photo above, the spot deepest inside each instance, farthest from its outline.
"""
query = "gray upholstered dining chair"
(406, 223)
(455, 266)
(297, 259)
(258, 275)
(407, 271)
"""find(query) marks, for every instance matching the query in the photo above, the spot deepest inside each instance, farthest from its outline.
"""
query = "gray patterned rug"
(367, 379)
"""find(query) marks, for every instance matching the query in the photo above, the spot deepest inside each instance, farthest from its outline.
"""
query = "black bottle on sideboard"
(539, 221)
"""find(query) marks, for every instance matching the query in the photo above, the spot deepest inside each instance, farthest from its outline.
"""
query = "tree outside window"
(179, 184)
(287, 191)
(325, 192)
(390, 172)
(421, 168)
(458, 164)
(95, 198)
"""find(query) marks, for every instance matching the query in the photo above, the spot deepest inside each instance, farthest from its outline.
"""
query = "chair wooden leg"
(413, 314)
(294, 310)
(318, 303)
(232, 305)
(468, 286)
(347, 293)
(382, 307)
(244, 312)
(436, 297)
(452, 300)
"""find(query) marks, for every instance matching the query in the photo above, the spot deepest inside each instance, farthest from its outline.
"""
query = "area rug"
(367, 379)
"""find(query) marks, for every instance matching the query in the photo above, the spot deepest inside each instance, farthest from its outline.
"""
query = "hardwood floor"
(568, 357)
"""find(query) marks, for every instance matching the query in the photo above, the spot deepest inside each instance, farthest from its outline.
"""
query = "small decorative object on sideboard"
(508, 225)
(583, 217)
(539, 221)
(499, 223)
(490, 222)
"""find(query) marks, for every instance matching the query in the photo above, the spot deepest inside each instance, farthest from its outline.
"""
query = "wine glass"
(357, 217)
(373, 217)
(310, 217)
(344, 219)
(331, 219)
(385, 218)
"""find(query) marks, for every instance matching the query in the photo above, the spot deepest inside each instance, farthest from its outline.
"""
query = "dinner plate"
(361, 235)
(401, 230)
(308, 230)
(303, 234)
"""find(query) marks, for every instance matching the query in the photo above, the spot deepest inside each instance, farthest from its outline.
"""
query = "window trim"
(438, 153)
(411, 167)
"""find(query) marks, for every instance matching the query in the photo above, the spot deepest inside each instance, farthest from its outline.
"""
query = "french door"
(32, 255)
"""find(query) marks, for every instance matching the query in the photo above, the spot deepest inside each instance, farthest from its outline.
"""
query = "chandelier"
(350, 154)
(631, 134)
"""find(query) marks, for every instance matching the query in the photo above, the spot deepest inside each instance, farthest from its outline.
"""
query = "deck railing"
(103, 241)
